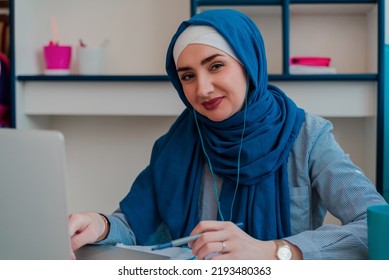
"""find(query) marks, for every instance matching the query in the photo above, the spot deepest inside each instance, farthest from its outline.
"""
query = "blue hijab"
(167, 191)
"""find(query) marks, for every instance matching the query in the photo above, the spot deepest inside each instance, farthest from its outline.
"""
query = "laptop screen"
(33, 198)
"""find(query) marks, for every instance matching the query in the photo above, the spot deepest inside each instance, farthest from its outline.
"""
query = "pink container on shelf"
(57, 58)
(310, 60)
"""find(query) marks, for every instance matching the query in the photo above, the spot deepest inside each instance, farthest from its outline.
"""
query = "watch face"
(284, 253)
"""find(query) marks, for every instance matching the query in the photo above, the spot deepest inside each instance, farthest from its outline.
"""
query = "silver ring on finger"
(223, 248)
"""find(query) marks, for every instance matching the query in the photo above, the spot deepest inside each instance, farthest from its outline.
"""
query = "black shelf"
(333, 1)
(238, 2)
(277, 2)
(163, 78)
(323, 77)
(92, 78)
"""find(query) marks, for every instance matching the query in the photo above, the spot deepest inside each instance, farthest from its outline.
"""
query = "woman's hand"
(86, 228)
(224, 240)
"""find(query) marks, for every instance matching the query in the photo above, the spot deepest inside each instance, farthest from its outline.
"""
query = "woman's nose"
(204, 85)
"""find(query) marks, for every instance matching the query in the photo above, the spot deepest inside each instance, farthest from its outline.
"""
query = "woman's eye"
(186, 77)
(216, 66)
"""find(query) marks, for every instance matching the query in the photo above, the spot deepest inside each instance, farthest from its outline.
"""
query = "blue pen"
(182, 241)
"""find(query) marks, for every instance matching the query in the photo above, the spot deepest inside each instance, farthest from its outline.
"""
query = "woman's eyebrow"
(204, 61)
(210, 58)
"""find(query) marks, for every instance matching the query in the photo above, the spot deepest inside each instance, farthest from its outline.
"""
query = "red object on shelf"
(310, 60)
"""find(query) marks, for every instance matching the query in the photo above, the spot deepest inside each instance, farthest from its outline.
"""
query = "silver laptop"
(33, 200)
(33, 206)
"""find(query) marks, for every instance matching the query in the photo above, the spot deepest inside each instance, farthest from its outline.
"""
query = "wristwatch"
(283, 250)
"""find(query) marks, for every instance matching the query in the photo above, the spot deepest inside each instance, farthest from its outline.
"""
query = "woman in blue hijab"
(241, 152)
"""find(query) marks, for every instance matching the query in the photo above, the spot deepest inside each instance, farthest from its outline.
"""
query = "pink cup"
(57, 57)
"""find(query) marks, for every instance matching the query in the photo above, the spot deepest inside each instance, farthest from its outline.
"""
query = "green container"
(378, 231)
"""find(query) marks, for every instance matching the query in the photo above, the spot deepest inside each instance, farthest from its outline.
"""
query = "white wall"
(104, 156)
(138, 31)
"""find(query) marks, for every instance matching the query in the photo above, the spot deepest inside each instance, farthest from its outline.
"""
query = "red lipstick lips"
(212, 104)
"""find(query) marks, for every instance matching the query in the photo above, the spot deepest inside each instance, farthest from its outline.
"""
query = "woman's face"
(214, 83)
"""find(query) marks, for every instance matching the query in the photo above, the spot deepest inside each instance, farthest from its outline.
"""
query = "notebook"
(33, 200)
